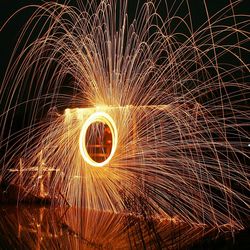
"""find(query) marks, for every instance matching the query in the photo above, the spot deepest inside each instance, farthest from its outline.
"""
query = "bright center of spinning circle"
(109, 127)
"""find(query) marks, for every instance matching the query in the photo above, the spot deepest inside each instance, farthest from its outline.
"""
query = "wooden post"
(40, 175)
(20, 170)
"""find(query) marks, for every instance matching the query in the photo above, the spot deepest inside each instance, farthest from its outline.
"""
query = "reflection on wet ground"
(36, 227)
(42, 227)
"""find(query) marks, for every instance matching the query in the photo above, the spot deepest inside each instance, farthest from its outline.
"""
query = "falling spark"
(174, 107)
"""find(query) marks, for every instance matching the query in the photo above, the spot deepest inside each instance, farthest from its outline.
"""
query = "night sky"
(10, 33)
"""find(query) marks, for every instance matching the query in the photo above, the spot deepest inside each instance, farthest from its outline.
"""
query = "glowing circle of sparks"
(98, 117)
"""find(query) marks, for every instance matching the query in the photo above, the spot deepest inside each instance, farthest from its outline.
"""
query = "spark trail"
(178, 101)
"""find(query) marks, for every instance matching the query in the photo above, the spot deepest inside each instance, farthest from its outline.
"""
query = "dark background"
(10, 33)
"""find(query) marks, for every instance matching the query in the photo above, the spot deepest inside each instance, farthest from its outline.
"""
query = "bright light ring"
(98, 117)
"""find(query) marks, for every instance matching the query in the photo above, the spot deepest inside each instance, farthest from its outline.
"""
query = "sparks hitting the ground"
(131, 117)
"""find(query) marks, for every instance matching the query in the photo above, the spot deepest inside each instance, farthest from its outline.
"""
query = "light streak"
(177, 110)
(106, 119)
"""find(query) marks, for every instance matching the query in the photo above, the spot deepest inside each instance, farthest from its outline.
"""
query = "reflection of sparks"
(178, 115)
(106, 119)
(30, 227)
